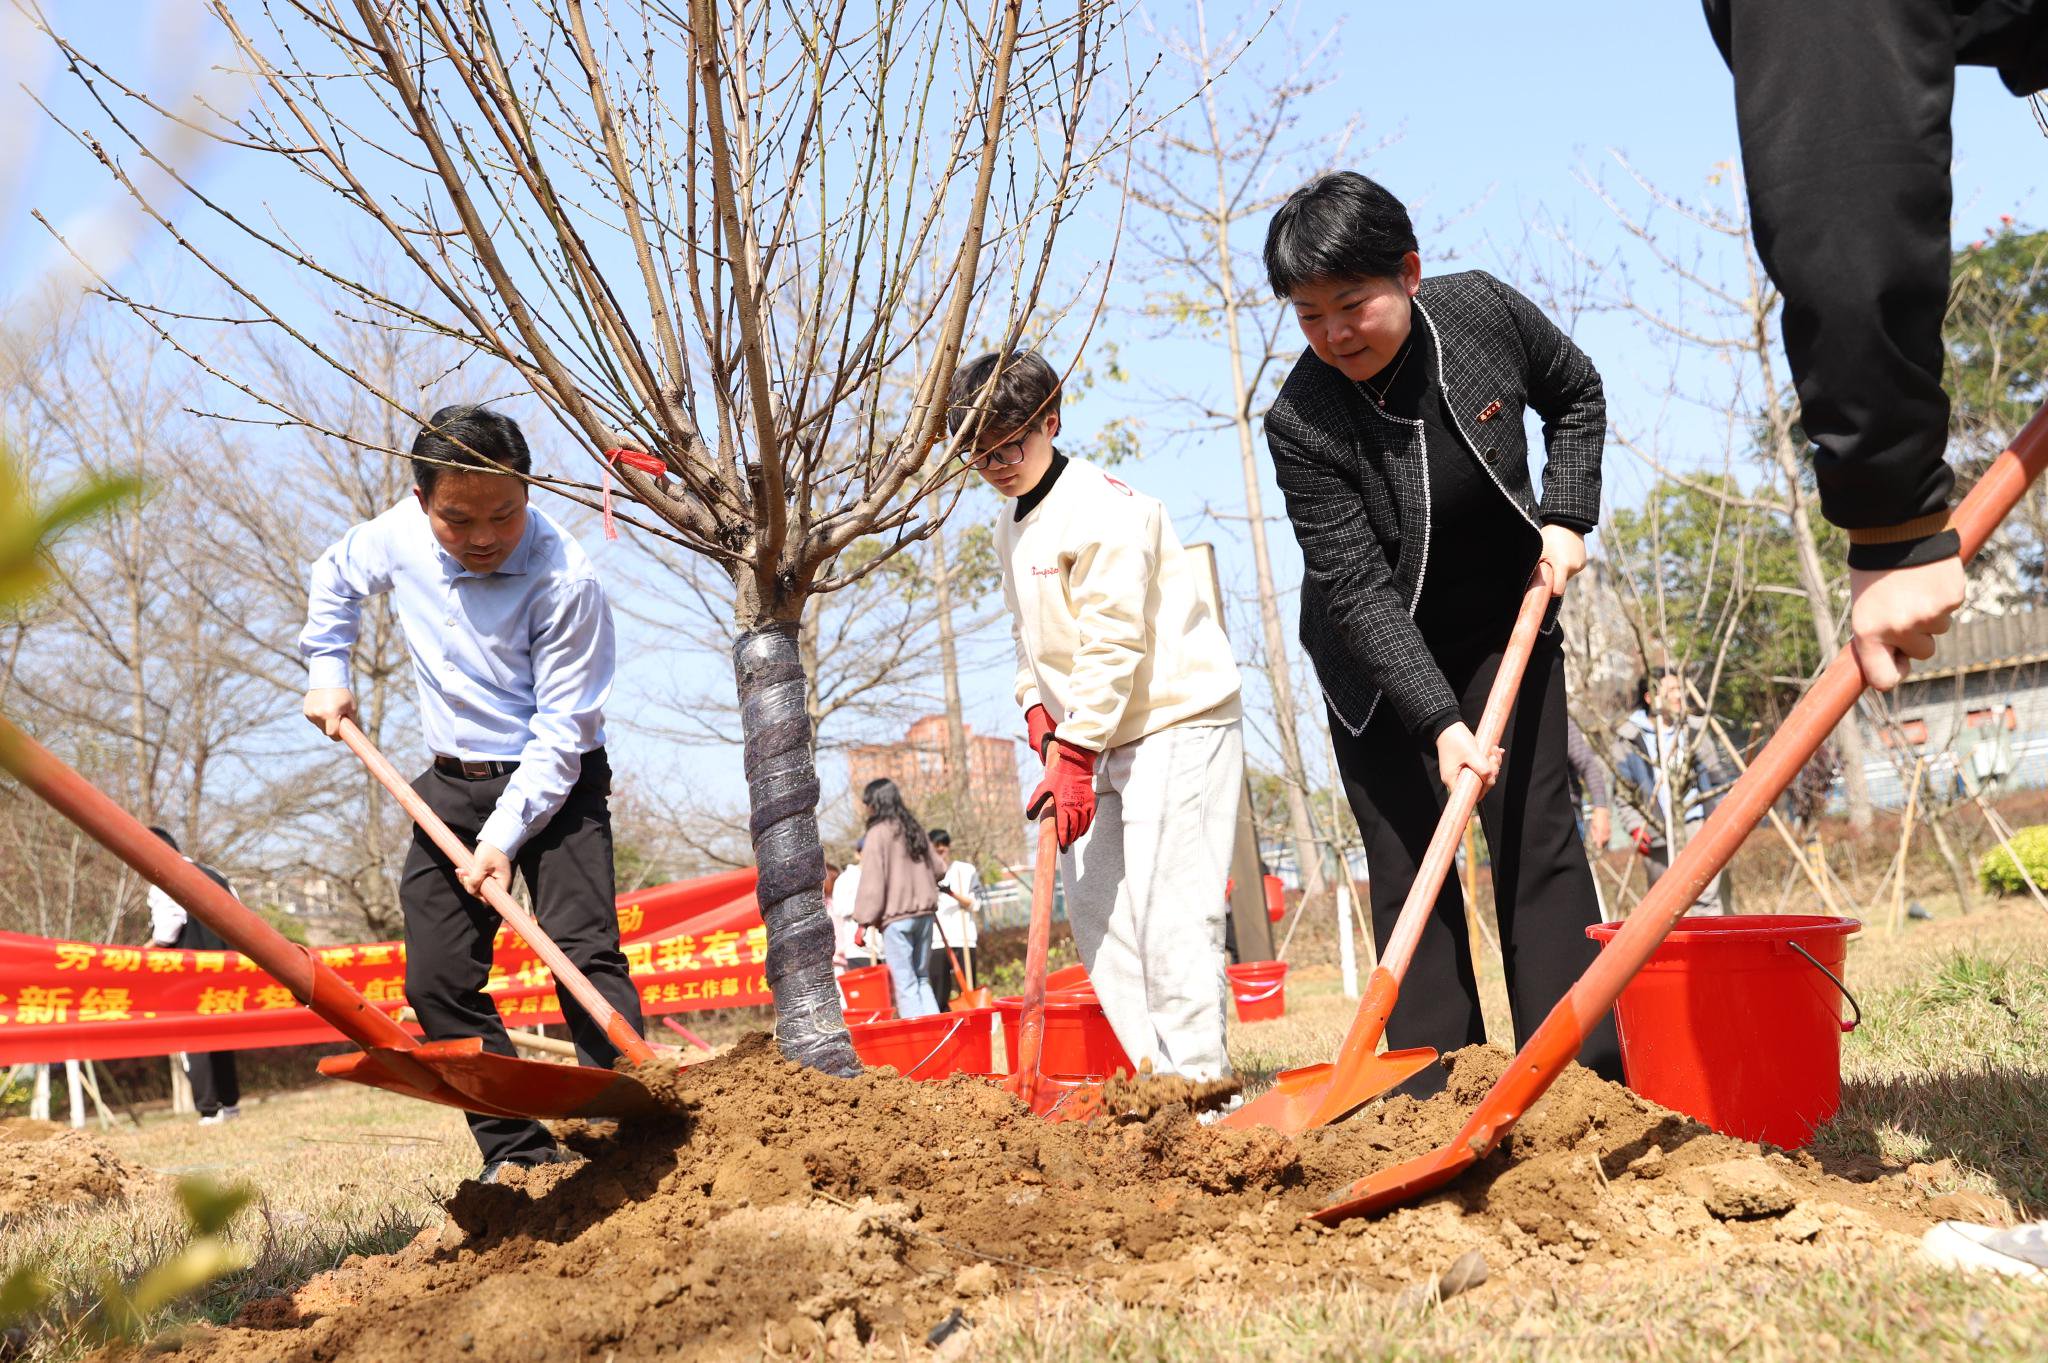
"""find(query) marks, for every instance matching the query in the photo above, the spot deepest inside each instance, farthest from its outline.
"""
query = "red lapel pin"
(1491, 411)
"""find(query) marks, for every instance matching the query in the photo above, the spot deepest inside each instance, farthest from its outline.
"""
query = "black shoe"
(494, 1172)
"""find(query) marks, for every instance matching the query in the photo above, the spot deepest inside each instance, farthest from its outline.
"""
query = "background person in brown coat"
(899, 891)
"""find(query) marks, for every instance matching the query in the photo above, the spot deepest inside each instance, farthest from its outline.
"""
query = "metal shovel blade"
(398, 1072)
(1399, 1185)
(463, 1074)
(1316, 1095)
(535, 1088)
(1541, 1060)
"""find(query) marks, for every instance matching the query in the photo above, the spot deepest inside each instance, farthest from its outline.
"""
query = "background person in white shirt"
(847, 954)
(511, 643)
(1130, 696)
(958, 921)
(216, 1083)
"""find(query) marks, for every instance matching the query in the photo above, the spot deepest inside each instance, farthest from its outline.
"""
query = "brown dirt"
(44, 1166)
(787, 1210)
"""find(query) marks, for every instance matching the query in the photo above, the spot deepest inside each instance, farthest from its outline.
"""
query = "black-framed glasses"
(1011, 453)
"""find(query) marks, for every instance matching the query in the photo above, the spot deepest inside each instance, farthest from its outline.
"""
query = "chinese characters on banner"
(691, 945)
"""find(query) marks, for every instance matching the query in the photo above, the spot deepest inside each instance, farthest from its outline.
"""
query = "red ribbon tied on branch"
(649, 464)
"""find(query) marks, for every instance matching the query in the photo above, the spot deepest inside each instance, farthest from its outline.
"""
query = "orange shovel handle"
(1557, 1040)
(1370, 1023)
(951, 955)
(1465, 791)
(291, 965)
(1037, 947)
(630, 1043)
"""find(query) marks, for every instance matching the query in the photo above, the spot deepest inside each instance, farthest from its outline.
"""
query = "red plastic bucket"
(1260, 988)
(1069, 977)
(1737, 1021)
(1079, 1042)
(867, 995)
(930, 1047)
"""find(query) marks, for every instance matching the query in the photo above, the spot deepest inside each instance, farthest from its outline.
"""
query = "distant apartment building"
(921, 766)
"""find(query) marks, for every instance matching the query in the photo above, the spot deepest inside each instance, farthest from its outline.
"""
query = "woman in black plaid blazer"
(1399, 443)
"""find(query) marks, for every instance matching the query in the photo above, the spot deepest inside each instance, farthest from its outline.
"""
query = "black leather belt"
(472, 771)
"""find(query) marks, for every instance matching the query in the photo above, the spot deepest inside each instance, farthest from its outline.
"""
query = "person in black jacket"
(1398, 442)
(216, 1082)
(1843, 108)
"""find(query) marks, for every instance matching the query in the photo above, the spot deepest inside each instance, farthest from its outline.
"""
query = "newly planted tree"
(720, 244)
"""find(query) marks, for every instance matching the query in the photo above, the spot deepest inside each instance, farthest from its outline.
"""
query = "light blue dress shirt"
(514, 665)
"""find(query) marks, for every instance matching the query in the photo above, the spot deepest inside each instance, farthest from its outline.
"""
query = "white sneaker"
(226, 1114)
(2021, 1252)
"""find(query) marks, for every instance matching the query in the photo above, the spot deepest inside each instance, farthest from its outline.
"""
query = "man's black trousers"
(567, 866)
(215, 1081)
(1843, 107)
(1543, 887)
(940, 970)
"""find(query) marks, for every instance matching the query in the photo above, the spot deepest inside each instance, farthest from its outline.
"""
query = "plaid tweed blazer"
(1357, 483)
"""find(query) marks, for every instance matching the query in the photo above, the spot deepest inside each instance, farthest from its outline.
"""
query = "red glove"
(1069, 785)
(1643, 839)
(1038, 727)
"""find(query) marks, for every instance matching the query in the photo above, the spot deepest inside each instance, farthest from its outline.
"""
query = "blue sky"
(1487, 109)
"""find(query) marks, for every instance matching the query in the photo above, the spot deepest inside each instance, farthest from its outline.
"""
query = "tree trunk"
(1855, 785)
(1791, 464)
(1279, 671)
(782, 794)
(959, 777)
(138, 678)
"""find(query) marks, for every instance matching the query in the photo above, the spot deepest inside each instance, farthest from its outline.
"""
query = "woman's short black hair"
(469, 436)
(1337, 226)
(1025, 392)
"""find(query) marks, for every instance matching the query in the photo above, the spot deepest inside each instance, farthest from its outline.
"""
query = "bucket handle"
(960, 1020)
(1836, 980)
(1263, 994)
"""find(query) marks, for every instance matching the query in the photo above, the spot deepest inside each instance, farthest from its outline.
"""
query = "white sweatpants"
(1145, 893)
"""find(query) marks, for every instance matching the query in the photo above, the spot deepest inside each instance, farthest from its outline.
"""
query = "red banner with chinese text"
(693, 944)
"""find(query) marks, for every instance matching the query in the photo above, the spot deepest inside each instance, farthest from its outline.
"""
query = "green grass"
(338, 1170)
(1951, 1062)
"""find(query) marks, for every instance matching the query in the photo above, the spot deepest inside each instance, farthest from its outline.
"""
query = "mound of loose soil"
(44, 1166)
(785, 1209)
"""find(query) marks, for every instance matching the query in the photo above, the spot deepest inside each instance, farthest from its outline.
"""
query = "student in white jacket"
(1130, 696)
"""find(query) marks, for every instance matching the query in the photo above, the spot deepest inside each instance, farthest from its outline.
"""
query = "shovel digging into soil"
(1826, 703)
(455, 1073)
(616, 1029)
(1050, 1096)
(1316, 1095)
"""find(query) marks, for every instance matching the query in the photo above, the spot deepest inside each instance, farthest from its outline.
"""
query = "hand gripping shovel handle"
(1037, 947)
(1385, 983)
(1554, 1044)
(630, 1043)
(291, 965)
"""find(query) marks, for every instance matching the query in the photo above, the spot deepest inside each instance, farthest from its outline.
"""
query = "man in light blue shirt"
(511, 643)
